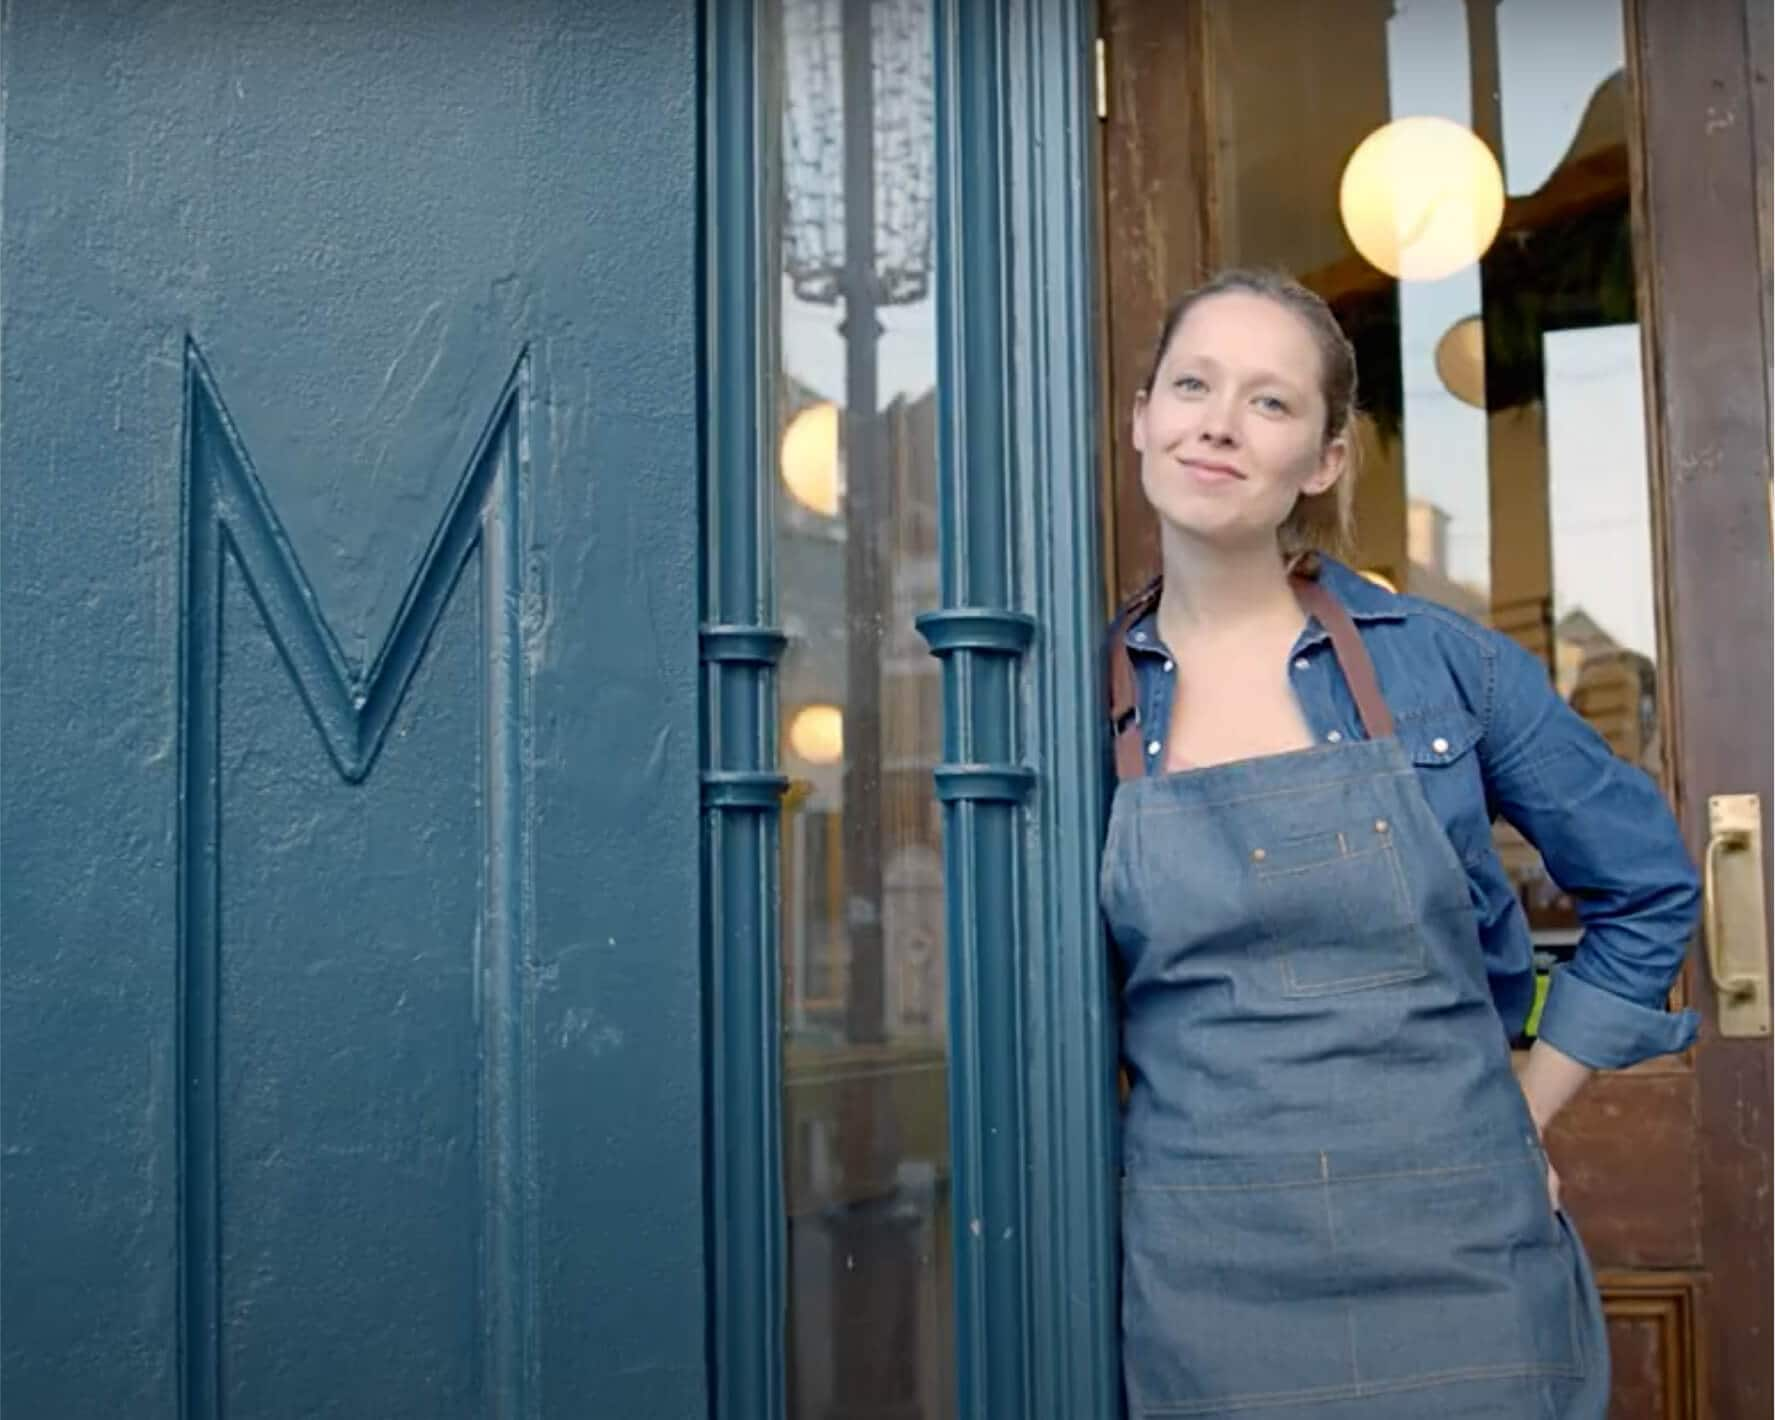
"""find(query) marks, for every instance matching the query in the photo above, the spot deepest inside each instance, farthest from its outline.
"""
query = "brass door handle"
(1725, 981)
(1736, 920)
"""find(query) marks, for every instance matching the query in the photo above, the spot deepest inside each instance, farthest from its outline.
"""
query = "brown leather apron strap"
(1352, 656)
(1124, 711)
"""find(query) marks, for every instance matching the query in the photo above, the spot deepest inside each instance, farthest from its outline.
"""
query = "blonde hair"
(1318, 522)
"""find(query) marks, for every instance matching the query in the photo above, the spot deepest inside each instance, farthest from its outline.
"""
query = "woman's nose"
(1217, 427)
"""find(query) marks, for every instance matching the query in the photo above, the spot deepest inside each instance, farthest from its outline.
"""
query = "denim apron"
(1334, 1200)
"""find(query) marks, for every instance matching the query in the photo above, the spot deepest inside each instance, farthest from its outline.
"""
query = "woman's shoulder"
(1423, 620)
(1129, 614)
(1136, 606)
(1427, 650)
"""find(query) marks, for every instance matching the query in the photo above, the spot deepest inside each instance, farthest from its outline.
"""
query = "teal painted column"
(1032, 1091)
(1070, 1036)
(742, 786)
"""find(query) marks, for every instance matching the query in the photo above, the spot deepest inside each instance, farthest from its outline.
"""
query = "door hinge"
(1102, 58)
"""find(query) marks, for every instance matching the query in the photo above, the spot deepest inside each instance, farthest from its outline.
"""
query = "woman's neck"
(1214, 589)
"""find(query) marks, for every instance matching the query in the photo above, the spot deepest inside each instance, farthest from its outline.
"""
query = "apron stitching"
(1345, 857)
(1331, 1238)
(1445, 1171)
(1569, 1246)
(1250, 1399)
(1401, 888)
(1296, 792)
(1347, 985)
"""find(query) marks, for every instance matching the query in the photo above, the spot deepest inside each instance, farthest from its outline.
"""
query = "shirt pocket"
(1335, 906)
(1442, 744)
(1439, 737)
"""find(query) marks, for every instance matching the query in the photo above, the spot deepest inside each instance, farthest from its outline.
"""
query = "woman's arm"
(1549, 1078)
(1611, 843)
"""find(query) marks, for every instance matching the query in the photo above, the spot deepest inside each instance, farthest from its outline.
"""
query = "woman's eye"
(1271, 405)
(1188, 383)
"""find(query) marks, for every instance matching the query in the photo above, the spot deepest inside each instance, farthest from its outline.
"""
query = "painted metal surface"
(981, 651)
(352, 1022)
(742, 785)
(234, 540)
(1070, 1033)
(1032, 1106)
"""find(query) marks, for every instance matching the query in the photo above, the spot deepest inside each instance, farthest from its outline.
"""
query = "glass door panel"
(866, 1133)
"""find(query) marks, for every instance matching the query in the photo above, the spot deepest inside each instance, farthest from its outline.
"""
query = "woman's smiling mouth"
(1210, 472)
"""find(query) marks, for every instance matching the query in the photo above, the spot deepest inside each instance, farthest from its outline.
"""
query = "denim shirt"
(1492, 738)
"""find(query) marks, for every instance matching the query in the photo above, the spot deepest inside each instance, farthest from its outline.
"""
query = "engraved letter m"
(228, 516)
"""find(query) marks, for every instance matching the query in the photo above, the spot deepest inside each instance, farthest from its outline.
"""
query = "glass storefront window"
(864, 988)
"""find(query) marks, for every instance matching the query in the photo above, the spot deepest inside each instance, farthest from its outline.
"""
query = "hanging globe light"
(816, 734)
(1421, 198)
(1460, 361)
(809, 459)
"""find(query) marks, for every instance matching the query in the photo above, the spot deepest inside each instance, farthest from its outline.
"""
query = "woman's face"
(1232, 432)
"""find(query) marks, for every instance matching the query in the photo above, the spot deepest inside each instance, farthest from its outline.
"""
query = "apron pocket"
(1281, 1285)
(1230, 1296)
(1336, 908)
(1457, 1272)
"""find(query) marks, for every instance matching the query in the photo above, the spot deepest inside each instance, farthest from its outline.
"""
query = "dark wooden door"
(351, 988)
(1656, 216)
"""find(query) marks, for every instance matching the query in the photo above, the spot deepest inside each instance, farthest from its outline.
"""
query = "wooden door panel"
(1628, 1152)
(1652, 1346)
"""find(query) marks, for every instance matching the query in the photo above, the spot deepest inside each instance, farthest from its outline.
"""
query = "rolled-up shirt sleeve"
(1611, 843)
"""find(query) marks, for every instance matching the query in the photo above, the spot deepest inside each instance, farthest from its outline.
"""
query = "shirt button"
(1380, 825)
(1440, 745)
(1300, 663)
(1140, 636)
(1335, 737)
(1258, 855)
(1169, 667)
(1152, 747)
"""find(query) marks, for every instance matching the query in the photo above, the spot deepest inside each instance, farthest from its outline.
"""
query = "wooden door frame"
(1166, 178)
(1702, 147)
(1699, 78)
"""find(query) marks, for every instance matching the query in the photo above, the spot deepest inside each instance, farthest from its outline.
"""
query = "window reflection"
(1504, 469)
(864, 986)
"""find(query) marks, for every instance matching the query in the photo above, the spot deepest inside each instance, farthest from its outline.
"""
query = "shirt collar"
(1364, 600)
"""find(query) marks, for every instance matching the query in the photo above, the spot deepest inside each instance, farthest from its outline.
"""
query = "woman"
(1336, 1201)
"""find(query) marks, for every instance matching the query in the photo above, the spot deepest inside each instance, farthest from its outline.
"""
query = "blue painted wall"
(348, 428)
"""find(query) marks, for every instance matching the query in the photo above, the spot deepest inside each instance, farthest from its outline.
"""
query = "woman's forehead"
(1236, 329)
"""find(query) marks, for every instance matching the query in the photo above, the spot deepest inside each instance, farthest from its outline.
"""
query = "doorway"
(1550, 443)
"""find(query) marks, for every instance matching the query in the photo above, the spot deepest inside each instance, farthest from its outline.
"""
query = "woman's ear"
(1331, 467)
(1138, 425)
